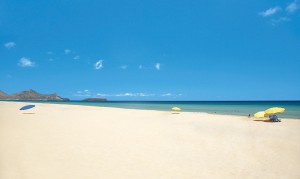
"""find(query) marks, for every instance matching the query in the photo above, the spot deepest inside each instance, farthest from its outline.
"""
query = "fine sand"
(54, 141)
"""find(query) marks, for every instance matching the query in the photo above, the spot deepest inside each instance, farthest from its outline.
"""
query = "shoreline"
(162, 110)
(73, 141)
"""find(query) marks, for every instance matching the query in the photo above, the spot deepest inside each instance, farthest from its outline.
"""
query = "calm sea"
(242, 108)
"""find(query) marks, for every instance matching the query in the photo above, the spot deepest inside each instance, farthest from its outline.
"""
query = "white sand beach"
(53, 141)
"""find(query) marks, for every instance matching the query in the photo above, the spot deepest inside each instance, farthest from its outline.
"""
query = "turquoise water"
(242, 108)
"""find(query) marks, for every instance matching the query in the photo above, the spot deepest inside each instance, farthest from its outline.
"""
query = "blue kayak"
(27, 107)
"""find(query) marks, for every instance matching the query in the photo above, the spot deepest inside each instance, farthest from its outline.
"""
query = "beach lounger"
(274, 118)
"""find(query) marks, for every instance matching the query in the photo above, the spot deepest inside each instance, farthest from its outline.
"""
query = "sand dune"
(65, 141)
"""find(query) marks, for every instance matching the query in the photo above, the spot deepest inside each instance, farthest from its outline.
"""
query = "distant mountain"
(31, 95)
(2, 94)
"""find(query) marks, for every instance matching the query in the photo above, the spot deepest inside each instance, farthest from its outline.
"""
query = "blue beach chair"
(274, 118)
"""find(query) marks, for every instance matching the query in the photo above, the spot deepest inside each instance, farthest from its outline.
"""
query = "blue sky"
(152, 50)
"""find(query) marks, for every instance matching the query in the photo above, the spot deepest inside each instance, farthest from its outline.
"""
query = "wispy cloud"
(67, 51)
(131, 94)
(124, 67)
(103, 95)
(293, 7)
(10, 45)
(284, 14)
(49, 53)
(50, 59)
(270, 11)
(99, 65)
(88, 93)
(26, 62)
(126, 95)
(134, 94)
(76, 57)
(83, 93)
(170, 95)
(280, 20)
(166, 94)
(157, 66)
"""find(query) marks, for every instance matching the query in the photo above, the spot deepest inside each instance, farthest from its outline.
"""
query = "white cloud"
(270, 11)
(84, 93)
(67, 51)
(103, 95)
(26, 62)
(130, 94)
(157, 66)
(134, 94)
(170, 95)
(126, 95)
(124, 67)
(76, 57)
(279, 20)
(99, 64)
(166, 94)
(144, 94)
(88, 93)
(292, 7)
(10, 45)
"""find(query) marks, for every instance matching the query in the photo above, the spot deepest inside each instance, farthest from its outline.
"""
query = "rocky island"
(31, 95)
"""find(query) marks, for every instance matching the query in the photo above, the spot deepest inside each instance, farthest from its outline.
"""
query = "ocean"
(241, 108)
